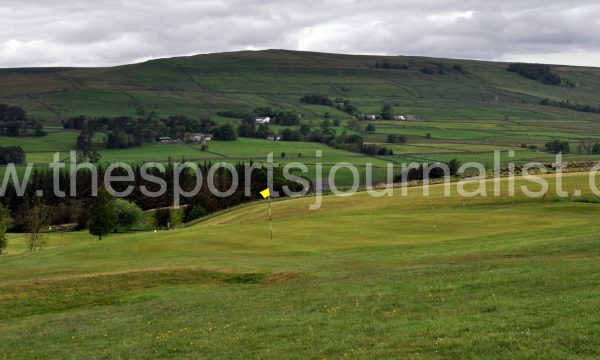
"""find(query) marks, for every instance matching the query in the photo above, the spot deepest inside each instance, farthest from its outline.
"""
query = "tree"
(85, 140)
(118, 139)
(387, 112)
(305, 129)
(224, 132)
(558, 146)
(128, 214)
(37, 219)
(288, 134)
(316, 100)
(3, 227)
(103, 214)
(248, 127)
(370, 129)
(397, 139)
(355, 139)
(163, 218)
(11, 154)
(196, 212)
(454, 165)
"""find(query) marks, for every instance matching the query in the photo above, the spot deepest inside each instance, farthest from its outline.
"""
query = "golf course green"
(363, 277)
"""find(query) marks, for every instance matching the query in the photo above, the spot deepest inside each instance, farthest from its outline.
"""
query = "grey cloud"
(109, 32)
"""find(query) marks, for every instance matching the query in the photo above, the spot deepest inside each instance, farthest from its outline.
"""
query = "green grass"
(244, 80)
(407, 277)
(54, 141)
(156, 152)
(487, 108)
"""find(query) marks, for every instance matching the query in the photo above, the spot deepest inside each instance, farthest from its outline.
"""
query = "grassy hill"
(463, 114)
(244, 80)
(410, 277)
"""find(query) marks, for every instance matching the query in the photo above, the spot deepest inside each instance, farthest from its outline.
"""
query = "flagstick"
(270, 219)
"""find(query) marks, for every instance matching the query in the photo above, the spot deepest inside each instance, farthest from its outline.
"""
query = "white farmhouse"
(197, 137)
(370, 117)
(263, 120)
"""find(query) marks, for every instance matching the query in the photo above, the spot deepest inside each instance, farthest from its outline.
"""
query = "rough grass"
(409, 277)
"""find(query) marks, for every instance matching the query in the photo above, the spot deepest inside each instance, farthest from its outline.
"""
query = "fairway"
(410, 277)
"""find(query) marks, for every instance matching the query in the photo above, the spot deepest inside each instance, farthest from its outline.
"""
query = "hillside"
(244, 80)
(407, 277)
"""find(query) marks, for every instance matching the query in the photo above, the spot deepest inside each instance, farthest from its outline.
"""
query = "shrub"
(128, 214)
(163, 218)
(558, 146)
(427, 71)
(458, 68)
(196, 212)
(397, 139)
(36, 220)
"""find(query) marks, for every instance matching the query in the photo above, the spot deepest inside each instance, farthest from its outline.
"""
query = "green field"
(409, 277)
(461, 116)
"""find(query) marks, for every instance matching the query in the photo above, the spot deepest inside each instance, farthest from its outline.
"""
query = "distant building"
(164, 139)
(370, 117)
(197, 137)
(274, 138)
(411, 117)
(400, 117)
(263, 120)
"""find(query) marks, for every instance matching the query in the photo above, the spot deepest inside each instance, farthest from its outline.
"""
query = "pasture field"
(206, 84)
(411, 277)
(458, 114)
(55, 141)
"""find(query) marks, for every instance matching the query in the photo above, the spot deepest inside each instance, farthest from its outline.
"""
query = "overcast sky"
(110, 32)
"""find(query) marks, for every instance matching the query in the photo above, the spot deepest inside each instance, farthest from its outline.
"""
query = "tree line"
(538, 72)
(341, 104)
(15, 122)
(571, 106)
(127, 131)
(11, 154)
(76, 209)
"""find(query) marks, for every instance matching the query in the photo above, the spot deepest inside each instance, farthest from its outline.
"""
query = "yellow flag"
(265, 193)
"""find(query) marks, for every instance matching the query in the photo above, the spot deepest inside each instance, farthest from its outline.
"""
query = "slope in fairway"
(363, 277)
